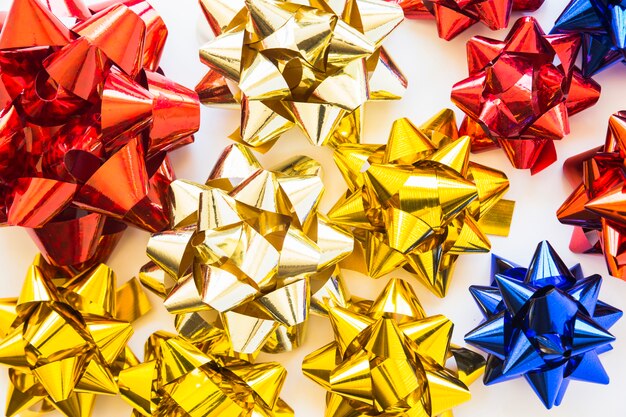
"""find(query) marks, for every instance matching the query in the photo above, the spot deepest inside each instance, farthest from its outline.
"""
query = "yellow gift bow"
(389, 359)
(308, 65)
(65, 340)
(180, 379)
(418, 202)
(247, 252)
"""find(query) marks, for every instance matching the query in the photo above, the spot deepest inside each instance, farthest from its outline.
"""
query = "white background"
(432, 66)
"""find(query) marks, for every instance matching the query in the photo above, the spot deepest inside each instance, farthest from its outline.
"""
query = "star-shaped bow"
(306, 65)
(86, 122)
(66, 343)
(250, 248)
(596, 206)
(545, 323)
(389, 359)
(179, 378)
(602, 25)
(455, 16)
(418, 202)
(518, 96)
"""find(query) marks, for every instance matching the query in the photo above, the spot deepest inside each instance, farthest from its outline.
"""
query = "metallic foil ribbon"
(86, 122)
(64, 339)
(418, 202)
(596, 207)
(544, 323)
(247, 251)
(180, 379)
(602, 25)
(454, 17)
(519, 97)
(389, 359)
(309, 65)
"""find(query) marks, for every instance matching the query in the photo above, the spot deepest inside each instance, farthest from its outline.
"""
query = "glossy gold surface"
(181, 379)
(66, 344)
(249, 254)
(390, 359)
(417, 202)
(304, 64)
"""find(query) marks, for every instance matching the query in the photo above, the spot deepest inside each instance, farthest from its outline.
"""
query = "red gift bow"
(597, 206)
(86, 124)
(518, 98)
(455, 16)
